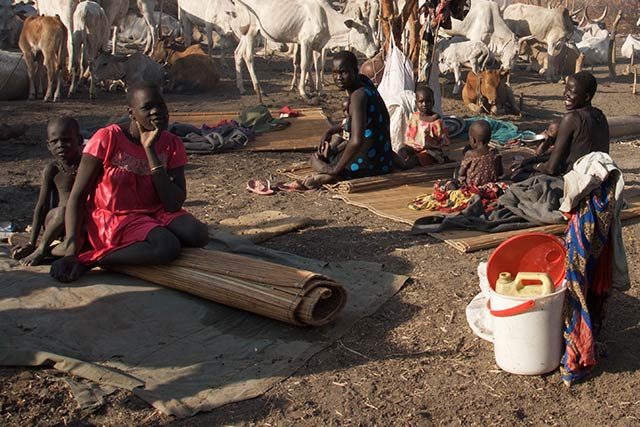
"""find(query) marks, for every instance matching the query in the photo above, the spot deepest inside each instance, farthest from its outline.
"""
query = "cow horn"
(606, 9)
(360, 17)
(574, 14)
(581, 21)
(586, 13)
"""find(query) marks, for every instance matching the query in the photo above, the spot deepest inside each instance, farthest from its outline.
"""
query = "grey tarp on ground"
(191, 355)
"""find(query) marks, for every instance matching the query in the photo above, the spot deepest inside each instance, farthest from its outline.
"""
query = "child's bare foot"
(22, 251)
(35, 258)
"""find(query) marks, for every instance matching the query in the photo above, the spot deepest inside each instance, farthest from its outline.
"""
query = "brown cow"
(495, 96)
(189, 69)
(565, 63)
(166, 51)
(46, 35)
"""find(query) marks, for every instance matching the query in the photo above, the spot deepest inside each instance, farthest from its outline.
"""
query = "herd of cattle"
(54, 34)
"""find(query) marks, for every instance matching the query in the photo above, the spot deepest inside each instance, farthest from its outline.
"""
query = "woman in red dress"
(129, 191)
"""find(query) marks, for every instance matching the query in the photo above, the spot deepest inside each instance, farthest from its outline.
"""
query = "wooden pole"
(387, 14)
(612, 45)
(635, 80)
(579, 62)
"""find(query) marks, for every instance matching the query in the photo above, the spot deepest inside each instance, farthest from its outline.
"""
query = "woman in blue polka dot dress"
(368, 151)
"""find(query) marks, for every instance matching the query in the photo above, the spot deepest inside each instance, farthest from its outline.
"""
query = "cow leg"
(248, 60)
(32, 73)
(92, 81)
(238, 56)
(51, 72)
(187, 28)
(458, 77)
(305, 61)
(76, 70)
(208, 28)
(317, 63)
(295, 59)
(146, 9)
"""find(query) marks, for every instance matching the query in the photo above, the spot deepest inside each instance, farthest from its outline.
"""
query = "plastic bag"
(398, 74)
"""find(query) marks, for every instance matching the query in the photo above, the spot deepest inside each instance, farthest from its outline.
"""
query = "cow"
(488, 92)
(193, 73)
(631, 47)
(353, 7)
(165, 51)
(190, 69)
(553, 27)
(44, 35)
(65, 8)
(342, 40)
(133, 69)
(209, 14)
(133, 29)
(566, 58)
(475, 55)
(310, 24)
(90, 36)
(484, 23)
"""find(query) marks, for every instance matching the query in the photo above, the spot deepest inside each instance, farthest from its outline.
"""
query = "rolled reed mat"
(415, 175)
(272, 290)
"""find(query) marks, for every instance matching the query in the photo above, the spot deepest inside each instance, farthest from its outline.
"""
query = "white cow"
(631, 46)
(211, 14)
(132, 69)
(90, 35)
(593, 39)
(353, 7)
(310, 24)
(474, 55)
(133, 29)
(341, 39)
(553, 27)
(484, 23)
(65, 8)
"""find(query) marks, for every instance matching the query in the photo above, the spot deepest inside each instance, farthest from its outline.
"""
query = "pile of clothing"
(225, 135)
(448, 200)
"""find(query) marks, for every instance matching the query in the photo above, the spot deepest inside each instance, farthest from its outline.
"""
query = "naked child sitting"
(65, 144)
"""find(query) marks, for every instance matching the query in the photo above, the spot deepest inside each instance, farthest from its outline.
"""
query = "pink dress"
(124, 207)
(437, 130)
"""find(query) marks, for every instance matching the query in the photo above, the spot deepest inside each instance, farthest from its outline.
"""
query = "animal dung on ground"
(276, 291)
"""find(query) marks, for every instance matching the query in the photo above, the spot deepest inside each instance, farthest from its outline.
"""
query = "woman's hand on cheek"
(148, 137)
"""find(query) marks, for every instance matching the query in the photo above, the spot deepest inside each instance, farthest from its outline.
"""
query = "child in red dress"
(130, 189)
(427, 137)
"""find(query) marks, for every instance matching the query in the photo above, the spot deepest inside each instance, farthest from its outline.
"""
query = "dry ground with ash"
(415, 362)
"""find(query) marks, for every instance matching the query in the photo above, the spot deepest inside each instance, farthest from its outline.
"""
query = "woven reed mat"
(391, 200)
(303, 134)
(467, 241)
(180, 353)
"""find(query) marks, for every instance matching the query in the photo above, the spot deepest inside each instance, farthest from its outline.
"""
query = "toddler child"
(65, 145)
(481, 164)
(427, 137)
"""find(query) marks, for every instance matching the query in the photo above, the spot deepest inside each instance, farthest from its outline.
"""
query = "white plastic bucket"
(527, 332)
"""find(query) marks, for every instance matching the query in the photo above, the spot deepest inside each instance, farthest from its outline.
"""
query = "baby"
(65, 144)
(481, 164)
(546, 145)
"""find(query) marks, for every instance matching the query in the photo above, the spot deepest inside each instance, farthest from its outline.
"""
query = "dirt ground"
(415, 362)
